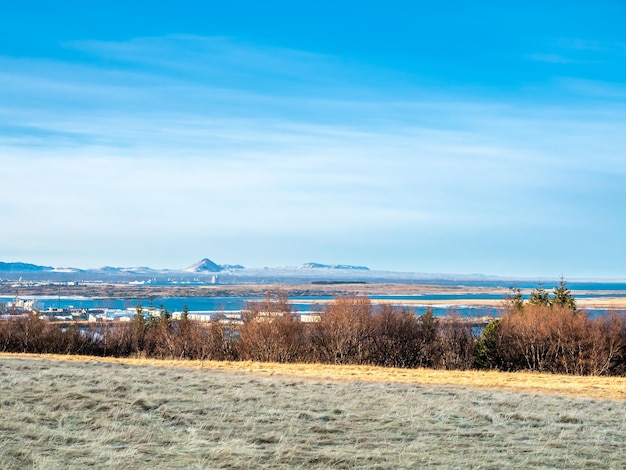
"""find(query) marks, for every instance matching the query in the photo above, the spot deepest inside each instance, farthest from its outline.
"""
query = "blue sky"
(416, 136)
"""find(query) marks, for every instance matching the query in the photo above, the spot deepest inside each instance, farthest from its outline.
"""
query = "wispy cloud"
(221, 142)
(551, 58)
(221, 61)
(581, 44)
(581, 52)
(598, 89)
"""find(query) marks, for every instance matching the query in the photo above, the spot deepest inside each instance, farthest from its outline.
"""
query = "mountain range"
(205, 265)
(332, 266)
(207, 271)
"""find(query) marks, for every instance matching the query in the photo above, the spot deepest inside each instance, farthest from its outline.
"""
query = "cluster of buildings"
(19, 306)
(99, 315)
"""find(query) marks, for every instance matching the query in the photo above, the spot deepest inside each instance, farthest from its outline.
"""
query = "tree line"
(549, 334)
(546, 333)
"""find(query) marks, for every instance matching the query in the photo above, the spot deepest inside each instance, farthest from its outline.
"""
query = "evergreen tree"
(514, 299)
(139, 320)
(486, 348)
(563, 296)
(138, 330)
(429, 325)
(163, 318)
(540, 296)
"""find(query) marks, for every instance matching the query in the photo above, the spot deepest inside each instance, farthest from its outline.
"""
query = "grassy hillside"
(135, 414)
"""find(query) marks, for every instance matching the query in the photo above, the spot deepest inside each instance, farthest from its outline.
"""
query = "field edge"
(522, 382)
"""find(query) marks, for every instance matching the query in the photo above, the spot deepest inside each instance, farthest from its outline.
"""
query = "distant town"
(20, 307)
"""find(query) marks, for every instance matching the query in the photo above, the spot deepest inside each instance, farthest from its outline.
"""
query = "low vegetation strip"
(95, 413)
(547, 334)
(525, 382)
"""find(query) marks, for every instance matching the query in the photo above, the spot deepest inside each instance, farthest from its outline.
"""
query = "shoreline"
(124, 291)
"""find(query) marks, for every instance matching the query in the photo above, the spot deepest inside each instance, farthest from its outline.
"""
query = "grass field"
(145, 414)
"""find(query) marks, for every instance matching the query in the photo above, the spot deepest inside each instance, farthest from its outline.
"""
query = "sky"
(438, 137)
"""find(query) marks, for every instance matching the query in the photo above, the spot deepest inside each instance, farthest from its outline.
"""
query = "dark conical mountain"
(204, 266)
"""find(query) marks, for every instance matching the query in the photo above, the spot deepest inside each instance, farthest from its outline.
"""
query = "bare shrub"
(608, 348)
(560, 340)
(402, 339)
(71, 340)
(394, 343)
(271, 339)
(457, 342)
(29, 333)
(524, 341)
(124, 339)
(165, 337)
(270, 331)
(8, 335)
(217, 341)
(32, 334)
(344, 328)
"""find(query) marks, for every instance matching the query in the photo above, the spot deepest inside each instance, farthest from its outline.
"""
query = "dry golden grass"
(526, 382)
(91, 412)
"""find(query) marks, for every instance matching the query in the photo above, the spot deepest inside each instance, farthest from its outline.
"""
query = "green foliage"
(139, 323)
(429, 325)
(164, 316)
(486, 348)
(428, 337)
(563, 296)
(539, 296)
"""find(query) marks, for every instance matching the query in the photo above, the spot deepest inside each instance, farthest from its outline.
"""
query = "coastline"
(379, 293)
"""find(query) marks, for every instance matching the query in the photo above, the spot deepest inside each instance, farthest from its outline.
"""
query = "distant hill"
(117, 270)
(332, 266)
(107, 269)
(232, 266)
(23, 267)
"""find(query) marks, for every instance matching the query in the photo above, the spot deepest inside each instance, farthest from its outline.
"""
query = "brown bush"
(278, 338)
(561, 340)
(456, 342)
(608, 352)
(350, 331)
(205, 341)
(344, 329)
(123, 339)
(28, 333)
(32, 334)
(270, 331)
(402, 339)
